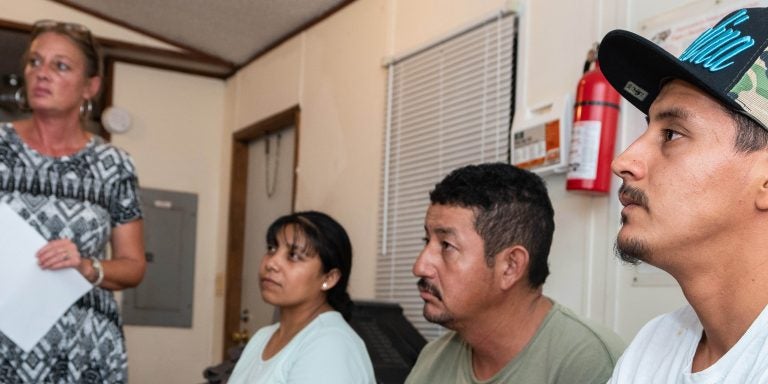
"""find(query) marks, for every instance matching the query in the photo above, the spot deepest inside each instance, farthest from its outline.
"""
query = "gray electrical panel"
(165, 296)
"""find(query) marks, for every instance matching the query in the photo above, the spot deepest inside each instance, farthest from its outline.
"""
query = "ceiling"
(218, 37)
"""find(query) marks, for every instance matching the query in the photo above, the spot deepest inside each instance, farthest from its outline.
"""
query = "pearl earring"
(325, 285)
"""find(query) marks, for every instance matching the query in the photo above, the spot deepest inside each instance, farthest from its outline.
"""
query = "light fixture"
(116, 120)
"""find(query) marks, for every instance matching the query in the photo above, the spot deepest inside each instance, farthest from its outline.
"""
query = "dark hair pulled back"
(328, 239)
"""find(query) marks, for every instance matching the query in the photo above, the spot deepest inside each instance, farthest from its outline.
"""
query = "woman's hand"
(124, 270)
(59, 254)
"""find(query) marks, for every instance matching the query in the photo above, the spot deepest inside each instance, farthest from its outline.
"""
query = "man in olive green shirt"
(488, 233)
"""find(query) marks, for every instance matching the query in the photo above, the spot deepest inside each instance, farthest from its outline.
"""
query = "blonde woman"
(80, 193)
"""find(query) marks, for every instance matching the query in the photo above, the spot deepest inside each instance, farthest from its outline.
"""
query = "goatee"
(632, 251)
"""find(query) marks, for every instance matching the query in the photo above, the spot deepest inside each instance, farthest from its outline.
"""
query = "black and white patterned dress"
(80, 197)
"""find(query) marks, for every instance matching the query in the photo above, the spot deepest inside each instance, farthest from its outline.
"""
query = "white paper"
(31, 299)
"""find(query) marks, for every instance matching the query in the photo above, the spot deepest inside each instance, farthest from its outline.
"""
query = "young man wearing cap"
(695, 197)
(488, 233)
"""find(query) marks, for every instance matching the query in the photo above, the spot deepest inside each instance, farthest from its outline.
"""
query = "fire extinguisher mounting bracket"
(541, 136)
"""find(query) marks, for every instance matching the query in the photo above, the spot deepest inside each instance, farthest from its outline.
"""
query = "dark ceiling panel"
(232, 30)
(218, 37)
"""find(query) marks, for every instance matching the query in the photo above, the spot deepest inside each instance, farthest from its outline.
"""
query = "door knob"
(240, 337)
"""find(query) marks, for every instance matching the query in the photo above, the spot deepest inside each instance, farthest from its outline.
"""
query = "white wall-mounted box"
(541, 136)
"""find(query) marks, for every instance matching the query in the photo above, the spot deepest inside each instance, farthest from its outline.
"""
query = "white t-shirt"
(326, 351)
(662, 352)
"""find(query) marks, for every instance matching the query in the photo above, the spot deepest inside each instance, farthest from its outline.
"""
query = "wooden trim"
(162, 58)
(116, 21)
(113, 44)
(107, 89)
(235, 242)
(270, 124)
(223, 75)
(297, 125)
(237, 204)
(154, 57)
(293, 33)
(14, 26)
(119, 45)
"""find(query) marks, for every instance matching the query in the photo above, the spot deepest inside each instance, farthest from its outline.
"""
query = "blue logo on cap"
(719, 44)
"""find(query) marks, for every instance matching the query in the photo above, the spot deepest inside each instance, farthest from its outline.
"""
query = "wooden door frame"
(237, 201)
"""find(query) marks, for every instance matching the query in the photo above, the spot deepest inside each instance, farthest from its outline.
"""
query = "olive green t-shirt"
(566, 349)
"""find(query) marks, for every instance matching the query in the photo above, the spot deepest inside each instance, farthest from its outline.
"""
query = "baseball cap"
(728, 61)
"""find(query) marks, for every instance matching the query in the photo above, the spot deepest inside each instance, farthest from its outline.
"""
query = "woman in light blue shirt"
(305, 274)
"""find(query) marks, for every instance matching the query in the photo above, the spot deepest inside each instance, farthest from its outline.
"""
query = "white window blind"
(449, 105)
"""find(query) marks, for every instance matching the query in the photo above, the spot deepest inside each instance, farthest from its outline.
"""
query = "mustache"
(426, 286)
(632, 195)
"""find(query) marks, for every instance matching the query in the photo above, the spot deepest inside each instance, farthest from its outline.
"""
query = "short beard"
(441, 319)
(632, 251)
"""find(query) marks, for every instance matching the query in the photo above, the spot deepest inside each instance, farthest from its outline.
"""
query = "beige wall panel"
(176, 142)
(342, 127)
(419, 22)
(268, 85)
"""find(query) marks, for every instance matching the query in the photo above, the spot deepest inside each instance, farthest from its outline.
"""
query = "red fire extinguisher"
(595, 117)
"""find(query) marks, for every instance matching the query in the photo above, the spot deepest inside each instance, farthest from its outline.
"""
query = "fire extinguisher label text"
(585, 145)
